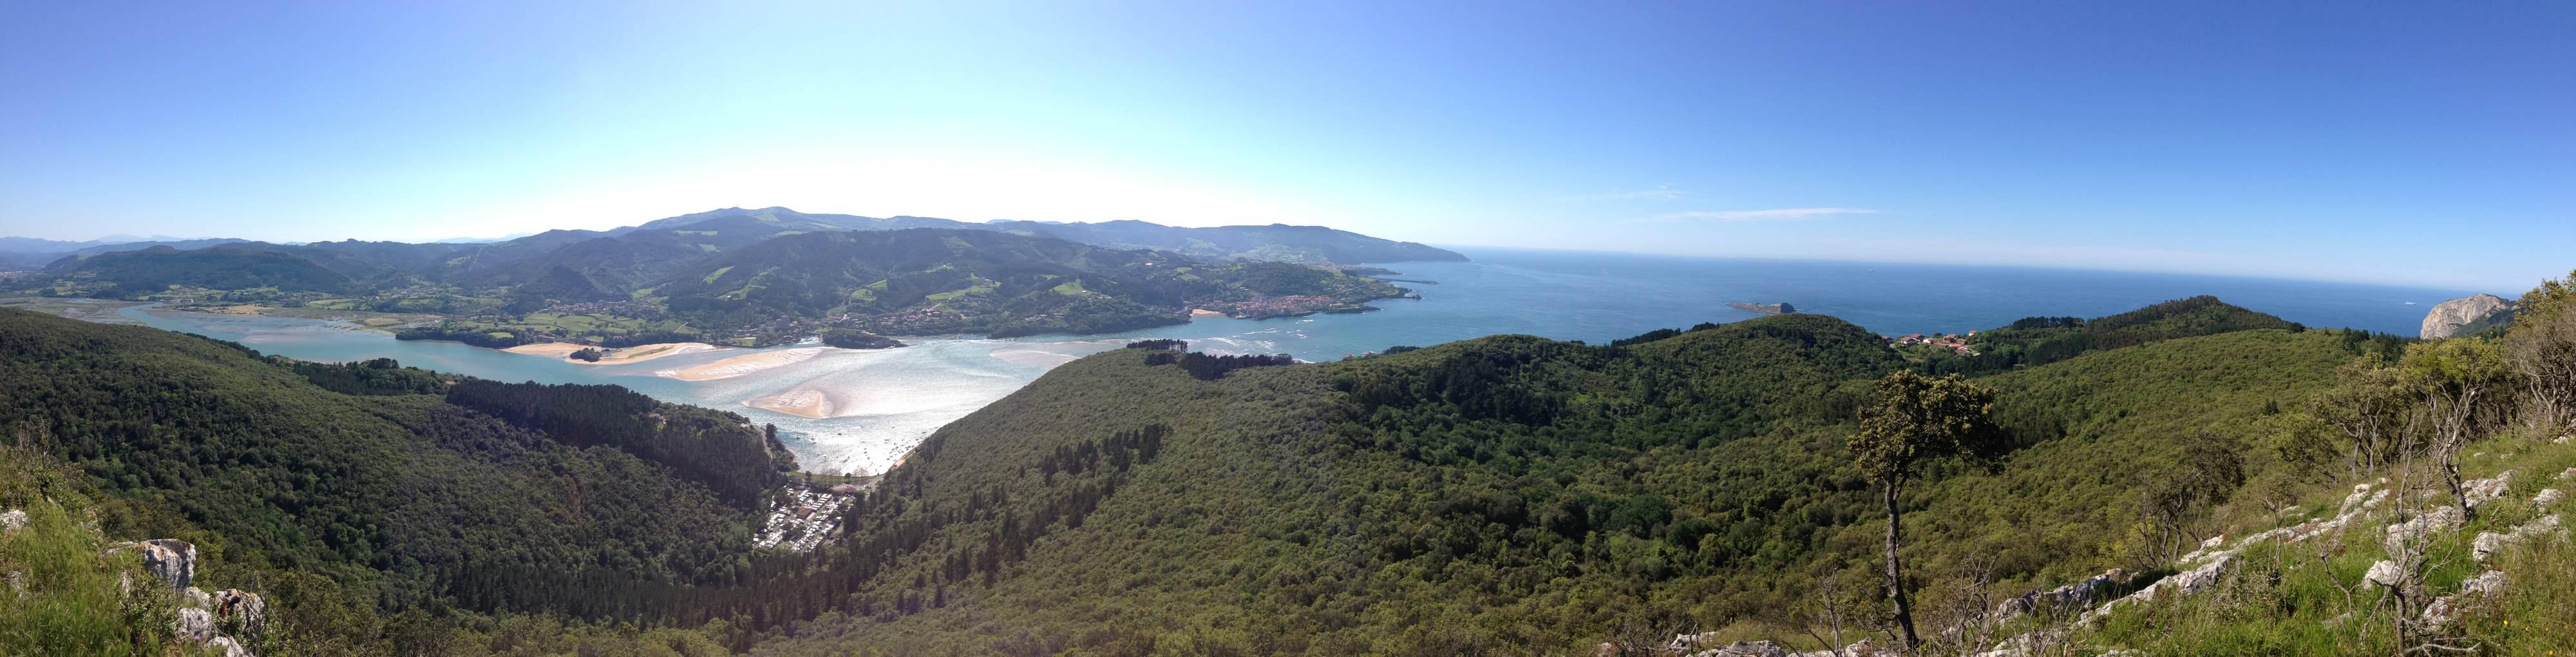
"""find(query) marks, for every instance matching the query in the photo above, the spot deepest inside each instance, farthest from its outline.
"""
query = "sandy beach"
(1203, 312)
(635, 354)
(741, 365)
(803, 402)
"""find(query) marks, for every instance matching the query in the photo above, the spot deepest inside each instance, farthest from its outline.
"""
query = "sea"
(888, 400)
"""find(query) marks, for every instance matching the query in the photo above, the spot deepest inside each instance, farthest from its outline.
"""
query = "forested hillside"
(369, 510)
(1502, 492)
(1504, 495)
(926, 281)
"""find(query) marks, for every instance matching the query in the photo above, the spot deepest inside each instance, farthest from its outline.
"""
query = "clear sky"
(2423, 143)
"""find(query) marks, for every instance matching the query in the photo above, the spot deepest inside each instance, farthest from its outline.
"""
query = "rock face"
(2470, 312)
(11, 521)
(172, 560)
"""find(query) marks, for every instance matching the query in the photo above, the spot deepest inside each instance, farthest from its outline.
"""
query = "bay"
(885, 401)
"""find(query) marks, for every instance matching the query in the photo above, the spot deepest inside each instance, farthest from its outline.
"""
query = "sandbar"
(1033, 357)
(635, 354)
(743, 364)
(803, 402)
(547, 349)
(645, 352)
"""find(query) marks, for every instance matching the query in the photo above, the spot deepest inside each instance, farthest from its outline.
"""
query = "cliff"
(2466, 315)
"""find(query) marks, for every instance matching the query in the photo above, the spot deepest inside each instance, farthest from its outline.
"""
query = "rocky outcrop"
(172, 560)
(246, 609)
(2440, 613)
(11, 521)
(2488, 543)
(229, 620)
(2466, 314)
(2079, 593)
(2412, 533)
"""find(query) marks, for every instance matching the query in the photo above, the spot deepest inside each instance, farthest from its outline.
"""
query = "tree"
(2459, 378)
(2369, 405)
(2542, 344)
(1918, 419)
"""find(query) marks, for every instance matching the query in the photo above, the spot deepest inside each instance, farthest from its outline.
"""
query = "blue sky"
(2351, 141)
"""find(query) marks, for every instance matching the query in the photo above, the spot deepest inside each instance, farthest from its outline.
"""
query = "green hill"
(140, 273)
(421, 493)
(1505, 491)
(2034, 341)
(929, 281)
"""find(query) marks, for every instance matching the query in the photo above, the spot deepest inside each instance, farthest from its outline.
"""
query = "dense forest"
(364, 501)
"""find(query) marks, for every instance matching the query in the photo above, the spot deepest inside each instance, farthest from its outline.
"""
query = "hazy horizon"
(2360, 144)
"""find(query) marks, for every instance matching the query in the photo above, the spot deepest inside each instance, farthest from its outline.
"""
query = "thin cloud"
(1659, 193)
(1782, 214)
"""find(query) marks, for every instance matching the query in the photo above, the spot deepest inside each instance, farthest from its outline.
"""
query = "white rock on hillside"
(2385, 574)
(172, 560)
(2546, 497)
(2448, 317)
(2412, 532)
(2488, 543)
(11, 521)
(2482, 491)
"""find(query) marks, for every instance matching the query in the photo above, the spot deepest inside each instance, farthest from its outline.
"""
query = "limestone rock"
(2385, 574)
(245, 607)
(2438, 614)
(11, 521)
(172, 560)
(194, 624)
(196, 598)
(2488, 543)
(1746, 649)
(2412, 532)
(2450, 318)
(2072, 594)
(231, 648)
(2546, 497)
(2482, 491)
(2488, 583)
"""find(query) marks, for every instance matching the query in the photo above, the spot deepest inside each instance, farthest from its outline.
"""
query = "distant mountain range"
(727, 269)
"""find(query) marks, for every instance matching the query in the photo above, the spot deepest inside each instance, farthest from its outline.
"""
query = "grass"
(2310, 599)
(71, 605)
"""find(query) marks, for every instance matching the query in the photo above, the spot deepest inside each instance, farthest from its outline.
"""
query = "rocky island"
(1764, 308)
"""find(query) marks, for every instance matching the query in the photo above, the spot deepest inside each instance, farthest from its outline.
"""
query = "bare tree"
(2459, 378)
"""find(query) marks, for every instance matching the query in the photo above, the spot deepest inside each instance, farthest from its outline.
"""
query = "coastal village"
(1951, 341)
(802, 520)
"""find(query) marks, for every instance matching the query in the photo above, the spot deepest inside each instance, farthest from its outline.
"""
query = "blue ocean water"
(886, 401)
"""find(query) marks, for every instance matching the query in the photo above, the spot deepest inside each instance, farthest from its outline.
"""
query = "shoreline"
(743, 364)
(619, 356)
(806, 403)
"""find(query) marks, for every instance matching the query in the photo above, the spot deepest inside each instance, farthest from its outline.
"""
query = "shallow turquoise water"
(890, 399)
